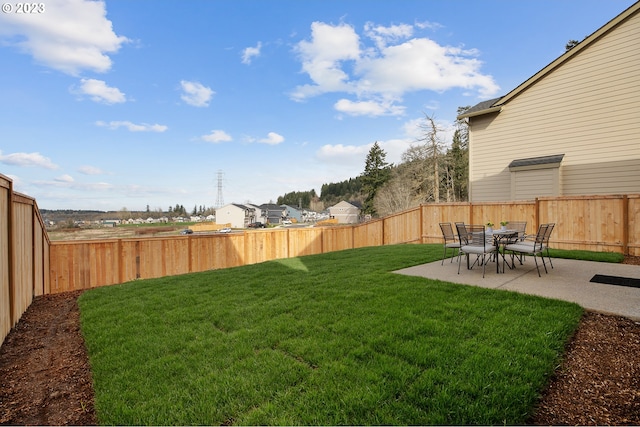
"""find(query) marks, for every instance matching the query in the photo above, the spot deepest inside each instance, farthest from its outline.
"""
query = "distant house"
(273, 214)
(345, 213)
(571, 129)
(239, 216)
(293, 213)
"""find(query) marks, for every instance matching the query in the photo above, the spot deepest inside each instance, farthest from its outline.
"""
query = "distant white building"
(239, 216)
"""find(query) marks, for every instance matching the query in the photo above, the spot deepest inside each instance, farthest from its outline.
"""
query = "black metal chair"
(538, 246)
(450, 240)
(474, 241)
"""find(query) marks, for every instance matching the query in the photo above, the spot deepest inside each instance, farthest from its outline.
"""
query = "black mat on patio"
(616, 280)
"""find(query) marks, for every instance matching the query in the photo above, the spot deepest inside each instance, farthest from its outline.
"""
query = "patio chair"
(534, 247)
(521, 228)
(450, 240)
(463, 236)
(474, 241)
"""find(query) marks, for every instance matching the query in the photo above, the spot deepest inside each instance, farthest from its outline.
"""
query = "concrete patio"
(569, 280)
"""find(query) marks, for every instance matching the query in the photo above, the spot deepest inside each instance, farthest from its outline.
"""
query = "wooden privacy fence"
(24, 255)
(597, 223)
(31, 265)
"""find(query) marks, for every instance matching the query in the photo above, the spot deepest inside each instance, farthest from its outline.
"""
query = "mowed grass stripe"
(329, 339)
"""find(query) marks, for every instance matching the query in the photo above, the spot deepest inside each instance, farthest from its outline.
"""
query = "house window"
(536, 177)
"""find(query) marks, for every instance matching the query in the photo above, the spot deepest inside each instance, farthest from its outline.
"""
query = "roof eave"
(490, 110)
(572, 52)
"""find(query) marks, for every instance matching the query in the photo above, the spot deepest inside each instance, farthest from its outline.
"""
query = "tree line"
(431, 170)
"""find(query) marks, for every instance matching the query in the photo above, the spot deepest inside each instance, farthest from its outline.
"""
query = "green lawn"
(330, 339)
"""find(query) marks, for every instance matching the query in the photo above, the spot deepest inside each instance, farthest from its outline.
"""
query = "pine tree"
(376, 174)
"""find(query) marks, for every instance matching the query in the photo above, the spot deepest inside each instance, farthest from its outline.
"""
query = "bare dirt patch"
(45, 377)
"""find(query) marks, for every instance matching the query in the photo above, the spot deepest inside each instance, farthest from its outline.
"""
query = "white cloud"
(132, 127)
(249, 53)
(217, 136)
(70, 36)
(422, 64)
(368, 108)
(339, 153)
(272, 139)
(65, 179)
(27, 160)
(322, 58)
(90, 170)
(337, 60)
(383, 35)
(195, 93)
(98, 91)
(428, 25)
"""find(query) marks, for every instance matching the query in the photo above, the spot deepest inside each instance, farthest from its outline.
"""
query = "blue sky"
(129, 104)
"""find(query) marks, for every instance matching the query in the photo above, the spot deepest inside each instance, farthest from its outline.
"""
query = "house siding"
(586, 108)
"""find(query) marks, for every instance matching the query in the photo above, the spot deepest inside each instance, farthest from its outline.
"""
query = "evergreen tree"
(376, 173)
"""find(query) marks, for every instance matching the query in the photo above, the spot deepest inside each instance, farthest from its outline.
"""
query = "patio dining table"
(501, 238)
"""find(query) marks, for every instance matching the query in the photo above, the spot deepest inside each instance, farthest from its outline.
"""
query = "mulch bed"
(45, 377)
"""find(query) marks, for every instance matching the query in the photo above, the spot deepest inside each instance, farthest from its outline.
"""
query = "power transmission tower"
(219, 198)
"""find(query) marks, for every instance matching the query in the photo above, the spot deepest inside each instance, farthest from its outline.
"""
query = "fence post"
(625, 224)
(10, 254)
(421, 229)
(120, 262)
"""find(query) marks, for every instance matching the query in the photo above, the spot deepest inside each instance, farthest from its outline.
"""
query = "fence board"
(5, 260)
(213, 252)
(337, 238)
(434, 214)
(305, 241)
(23, 259)
(368, 234)
(403, 227)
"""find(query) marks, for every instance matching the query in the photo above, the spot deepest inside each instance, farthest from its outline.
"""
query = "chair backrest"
(447, 232)
(547, 233)
(477, 236)
(540, 237)
(463, 234)
(519, 226)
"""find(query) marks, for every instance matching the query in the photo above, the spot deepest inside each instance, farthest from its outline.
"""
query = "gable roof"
(344, 204)
(495, 105)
